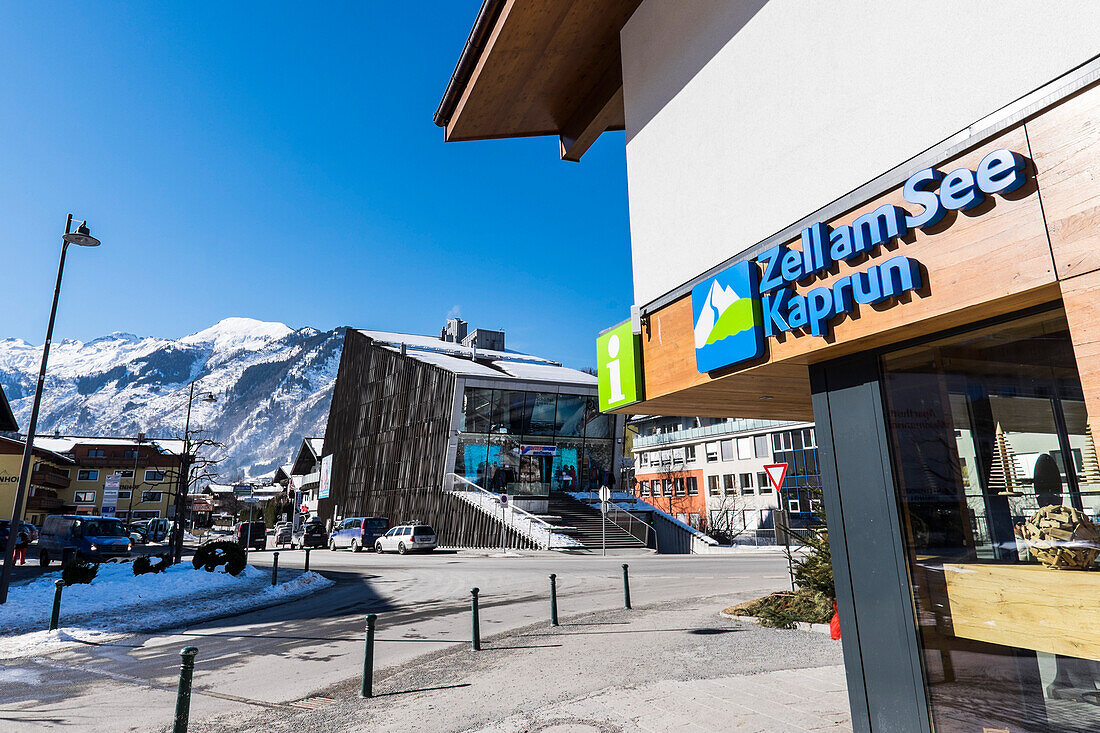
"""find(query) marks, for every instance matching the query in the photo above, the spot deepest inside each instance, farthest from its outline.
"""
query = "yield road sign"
(776, 473)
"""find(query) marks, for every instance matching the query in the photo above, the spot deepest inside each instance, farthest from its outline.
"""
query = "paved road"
(271, 657)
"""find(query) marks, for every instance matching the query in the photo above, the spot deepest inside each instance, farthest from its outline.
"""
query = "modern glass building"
(411, 415)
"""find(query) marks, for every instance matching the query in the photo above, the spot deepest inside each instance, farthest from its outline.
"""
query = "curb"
(798, 625)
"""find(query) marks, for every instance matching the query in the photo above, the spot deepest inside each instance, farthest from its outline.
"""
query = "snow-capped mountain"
(272, 387)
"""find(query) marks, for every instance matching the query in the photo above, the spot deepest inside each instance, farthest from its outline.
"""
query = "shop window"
(979, 425)
(760, 446)
(154, 476)
(692, 486)
(713, 488)
(729, 484)
(84, 497)
(86, 474)
(477, 410)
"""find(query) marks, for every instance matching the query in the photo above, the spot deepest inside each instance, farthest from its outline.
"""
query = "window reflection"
(985, 431)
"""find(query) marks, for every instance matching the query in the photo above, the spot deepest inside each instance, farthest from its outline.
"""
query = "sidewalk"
(675, 667)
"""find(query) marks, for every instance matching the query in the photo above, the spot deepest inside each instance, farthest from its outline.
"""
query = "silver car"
(407, 538)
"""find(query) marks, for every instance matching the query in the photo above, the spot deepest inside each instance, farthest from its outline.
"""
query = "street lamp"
(83, 238)
(183, 480)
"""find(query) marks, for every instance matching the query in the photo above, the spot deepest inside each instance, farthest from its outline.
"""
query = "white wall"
(743, 117)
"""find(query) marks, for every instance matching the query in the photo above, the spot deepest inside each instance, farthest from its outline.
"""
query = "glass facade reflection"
(532, 443)
(986, 430)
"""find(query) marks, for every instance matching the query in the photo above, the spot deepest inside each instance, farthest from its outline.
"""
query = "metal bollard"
(183, 694)
(476, 622)
(626, 587)
(275, 567)
(306, 568)
(553, 599)
(367, 688)
(56, 615)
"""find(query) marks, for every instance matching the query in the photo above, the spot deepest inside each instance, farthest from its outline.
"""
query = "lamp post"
(183, 480)
(81, 237)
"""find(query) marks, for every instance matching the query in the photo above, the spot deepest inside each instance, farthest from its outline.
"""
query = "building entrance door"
(988, 429)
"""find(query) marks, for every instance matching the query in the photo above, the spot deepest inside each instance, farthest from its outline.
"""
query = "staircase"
(584, 524)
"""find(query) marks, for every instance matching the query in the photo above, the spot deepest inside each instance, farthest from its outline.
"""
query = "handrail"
(539, 522)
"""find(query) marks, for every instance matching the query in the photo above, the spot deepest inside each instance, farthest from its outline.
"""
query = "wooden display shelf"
(1026, 606)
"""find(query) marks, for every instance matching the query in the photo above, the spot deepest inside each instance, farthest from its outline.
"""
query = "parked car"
(64, 537)
(310, 534)
(407, 538)
(137, 532)
(358, 533)
(251, 534)
(284, 532)
(154, 530)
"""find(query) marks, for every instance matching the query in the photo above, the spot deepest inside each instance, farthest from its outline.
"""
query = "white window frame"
(714, 485)
(744, 448)
(144, 494)
(155, 471)
(90, 474)
(84, 492)
(793, 506)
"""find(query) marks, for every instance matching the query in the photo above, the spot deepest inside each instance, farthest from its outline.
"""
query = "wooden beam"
(595, 117)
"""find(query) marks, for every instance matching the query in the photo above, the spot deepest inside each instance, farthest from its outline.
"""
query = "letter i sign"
(776, 473)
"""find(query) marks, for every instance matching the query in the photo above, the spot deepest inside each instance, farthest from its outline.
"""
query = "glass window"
(761, 446)
(729, 484)
(666, 487)
(477, 410)
(763, 483)
(689, 452)
(713, 487)
(471, 459)
(678, 485)
(744, 448)
(126, 473)
(154, 476)
(777, 441)
(87, 475)
(746, 483)
(131, 454)
(979, 425)
(95, 453)
(727, 450)
(509, 412)
(570, 415)
(712, 452)
(84, 497)
(796, 439)
(541, 411)
(692, 486)
(598, 425)
(151, 496)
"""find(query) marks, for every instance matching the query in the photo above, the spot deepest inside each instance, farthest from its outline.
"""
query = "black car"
(251, 534)
(311, 534)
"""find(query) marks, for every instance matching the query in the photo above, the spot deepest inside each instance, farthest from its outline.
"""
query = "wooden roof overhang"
(539, 67)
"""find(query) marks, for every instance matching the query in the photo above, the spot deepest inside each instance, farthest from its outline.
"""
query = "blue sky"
(279, 161)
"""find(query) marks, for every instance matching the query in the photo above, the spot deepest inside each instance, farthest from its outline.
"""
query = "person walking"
(21, 541)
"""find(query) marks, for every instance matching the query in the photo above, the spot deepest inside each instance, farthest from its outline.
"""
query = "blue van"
(358, 533)
(65, 536)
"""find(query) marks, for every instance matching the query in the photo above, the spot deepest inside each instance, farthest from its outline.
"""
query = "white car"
(407, 538)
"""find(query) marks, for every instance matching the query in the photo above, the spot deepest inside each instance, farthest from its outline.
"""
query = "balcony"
(731, 427)
(49, 477)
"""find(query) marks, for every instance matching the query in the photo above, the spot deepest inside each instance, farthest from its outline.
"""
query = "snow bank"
(117, 603)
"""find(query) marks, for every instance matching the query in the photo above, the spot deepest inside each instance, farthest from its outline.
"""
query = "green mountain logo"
(724, 314)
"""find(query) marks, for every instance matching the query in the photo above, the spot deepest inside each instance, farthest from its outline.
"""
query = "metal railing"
(542, 532)
(708, 431)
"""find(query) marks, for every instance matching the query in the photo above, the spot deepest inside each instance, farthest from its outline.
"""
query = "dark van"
(251, 534)
(65, 536)
(358, 533)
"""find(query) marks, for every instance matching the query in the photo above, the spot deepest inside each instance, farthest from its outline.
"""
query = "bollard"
(56, 615)
(183, 694)
(476, 623)
(367, 688)
(275, 567)
(306, 569)
(626, 587)
(553, 599)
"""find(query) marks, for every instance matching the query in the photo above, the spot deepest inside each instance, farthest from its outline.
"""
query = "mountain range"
(272, 386)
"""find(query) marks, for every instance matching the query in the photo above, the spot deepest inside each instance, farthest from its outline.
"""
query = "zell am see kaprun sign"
(735, 311)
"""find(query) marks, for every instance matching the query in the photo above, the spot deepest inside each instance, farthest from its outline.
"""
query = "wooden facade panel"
(1081, 298)
(978, 264)
(1065, 142)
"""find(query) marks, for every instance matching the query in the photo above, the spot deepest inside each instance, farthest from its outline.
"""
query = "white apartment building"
(711, 473)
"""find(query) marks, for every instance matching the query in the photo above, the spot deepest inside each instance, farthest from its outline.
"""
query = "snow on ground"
(117, 603)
